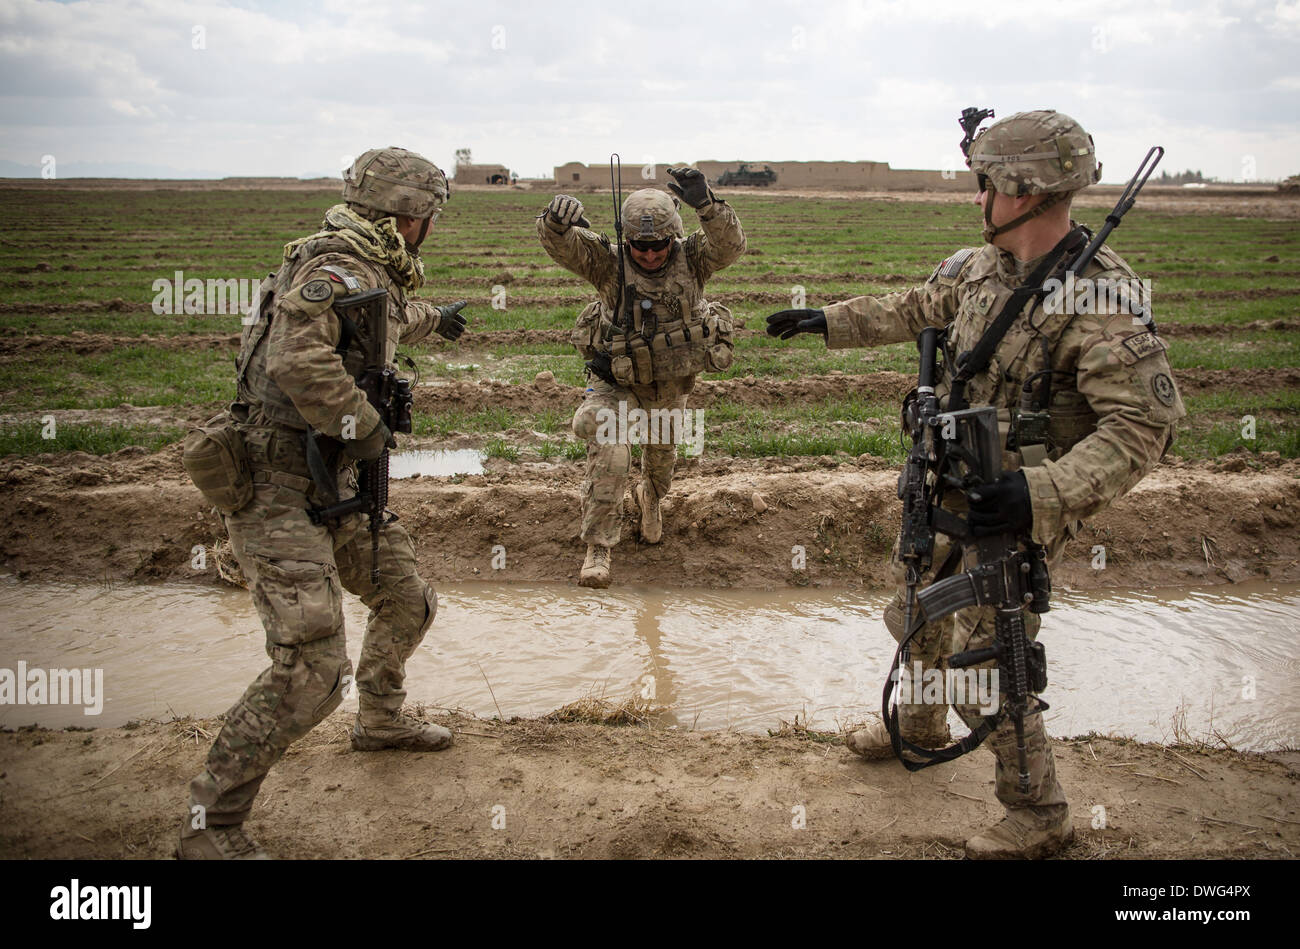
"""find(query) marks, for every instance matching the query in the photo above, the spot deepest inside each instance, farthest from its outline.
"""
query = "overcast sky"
(177, 89)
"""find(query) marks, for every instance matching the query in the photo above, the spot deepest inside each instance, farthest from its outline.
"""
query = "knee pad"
(584, 422)
(328, 675)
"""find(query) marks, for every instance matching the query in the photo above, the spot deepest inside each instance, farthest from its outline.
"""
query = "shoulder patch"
(317, 290)
(1163, 387)
(1144, 344)
(952, 266)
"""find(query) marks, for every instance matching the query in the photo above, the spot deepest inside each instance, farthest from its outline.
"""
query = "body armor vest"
(267, 402)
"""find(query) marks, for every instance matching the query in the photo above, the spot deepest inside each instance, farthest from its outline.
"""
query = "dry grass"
(593, 710)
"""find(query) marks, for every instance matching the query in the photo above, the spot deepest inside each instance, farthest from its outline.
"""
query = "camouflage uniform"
(675, 294)
(1113, 407)
(291, 377)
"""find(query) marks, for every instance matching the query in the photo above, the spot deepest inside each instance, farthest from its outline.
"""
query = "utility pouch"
(642, 364)
(620, 367)
(718, 326)
(216, 460)
(586, 333)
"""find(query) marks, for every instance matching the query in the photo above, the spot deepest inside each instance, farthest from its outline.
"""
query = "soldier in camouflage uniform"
(1113, 404)
(292, 377)
(667, 334)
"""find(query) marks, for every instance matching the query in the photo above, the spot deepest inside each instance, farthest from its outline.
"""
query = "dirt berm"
(583, 790)
(728, 523)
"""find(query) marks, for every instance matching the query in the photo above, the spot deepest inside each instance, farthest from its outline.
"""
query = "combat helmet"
(651, 215)
(396, 181)
(1040, 152)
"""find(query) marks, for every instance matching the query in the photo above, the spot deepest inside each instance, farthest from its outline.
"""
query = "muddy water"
(1139, 663)
(438, 463)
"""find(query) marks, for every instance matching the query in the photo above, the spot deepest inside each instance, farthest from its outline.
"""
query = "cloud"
(284, 88)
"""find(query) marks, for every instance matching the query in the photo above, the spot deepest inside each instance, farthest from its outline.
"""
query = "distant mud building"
(804, 175)
(484, 175)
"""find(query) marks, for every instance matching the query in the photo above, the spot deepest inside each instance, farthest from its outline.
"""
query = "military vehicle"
(748, 177)
(1289, 185)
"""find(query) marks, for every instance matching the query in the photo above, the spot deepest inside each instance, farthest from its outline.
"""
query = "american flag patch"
(952, 266)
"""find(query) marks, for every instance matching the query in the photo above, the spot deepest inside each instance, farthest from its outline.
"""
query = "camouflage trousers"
(973, 628)
(609, 460)
(297, 572)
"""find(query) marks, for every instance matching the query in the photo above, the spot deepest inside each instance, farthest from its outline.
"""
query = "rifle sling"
(890, 713)
(977, 360)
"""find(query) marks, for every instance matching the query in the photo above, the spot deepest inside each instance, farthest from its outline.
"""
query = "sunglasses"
(983, 181)
(651, 245)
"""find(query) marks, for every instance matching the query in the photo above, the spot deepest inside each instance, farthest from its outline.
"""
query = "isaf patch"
(315, 291)
(1163, 387)
(1144, 344)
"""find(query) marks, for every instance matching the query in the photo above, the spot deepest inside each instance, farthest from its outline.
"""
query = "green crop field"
(85, 263)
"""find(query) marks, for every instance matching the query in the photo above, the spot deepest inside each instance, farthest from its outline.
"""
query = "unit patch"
(1163, 387)
(316, 290)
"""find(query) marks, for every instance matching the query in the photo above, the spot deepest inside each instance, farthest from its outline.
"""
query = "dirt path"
(577, 790)
(134, 516)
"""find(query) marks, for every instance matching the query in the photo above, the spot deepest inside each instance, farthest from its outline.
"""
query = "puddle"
(438, 463)
(1221, 660)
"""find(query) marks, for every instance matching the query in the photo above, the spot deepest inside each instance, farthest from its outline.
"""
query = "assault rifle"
(391, 396)
(599, 365)
(955, 451)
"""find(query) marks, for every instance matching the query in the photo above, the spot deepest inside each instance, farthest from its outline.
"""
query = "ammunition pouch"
(681, 348)
(216, 460)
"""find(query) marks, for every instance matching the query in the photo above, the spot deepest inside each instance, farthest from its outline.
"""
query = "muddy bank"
(590, 791)
(134, 516)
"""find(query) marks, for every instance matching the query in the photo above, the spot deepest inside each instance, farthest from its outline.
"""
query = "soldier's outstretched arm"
(576, 248)
(878, 321)
(301, 360)
(423, 318)
(1123, 373)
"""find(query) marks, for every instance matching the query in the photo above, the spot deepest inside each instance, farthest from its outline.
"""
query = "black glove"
(691, 186)
(450, 323)
(565, 211)
(1001, 507)
(373, 445)
(789, 323)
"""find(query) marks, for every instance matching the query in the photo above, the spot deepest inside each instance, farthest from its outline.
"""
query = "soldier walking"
(297, 371)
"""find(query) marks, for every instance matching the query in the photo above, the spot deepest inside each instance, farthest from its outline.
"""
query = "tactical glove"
(564, 210)
(789, 323)
(1001, 507)
(373, 445)
(450, 323)
(691, 186)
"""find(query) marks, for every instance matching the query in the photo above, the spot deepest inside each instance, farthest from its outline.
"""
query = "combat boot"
(873, 741)
(595, 569)
(400, 730)
(228, 842)
(652, 524)
(1026, 833)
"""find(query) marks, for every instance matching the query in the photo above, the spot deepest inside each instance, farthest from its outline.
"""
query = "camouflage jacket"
(1114, 401)
(289, 372)
(676, 287)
